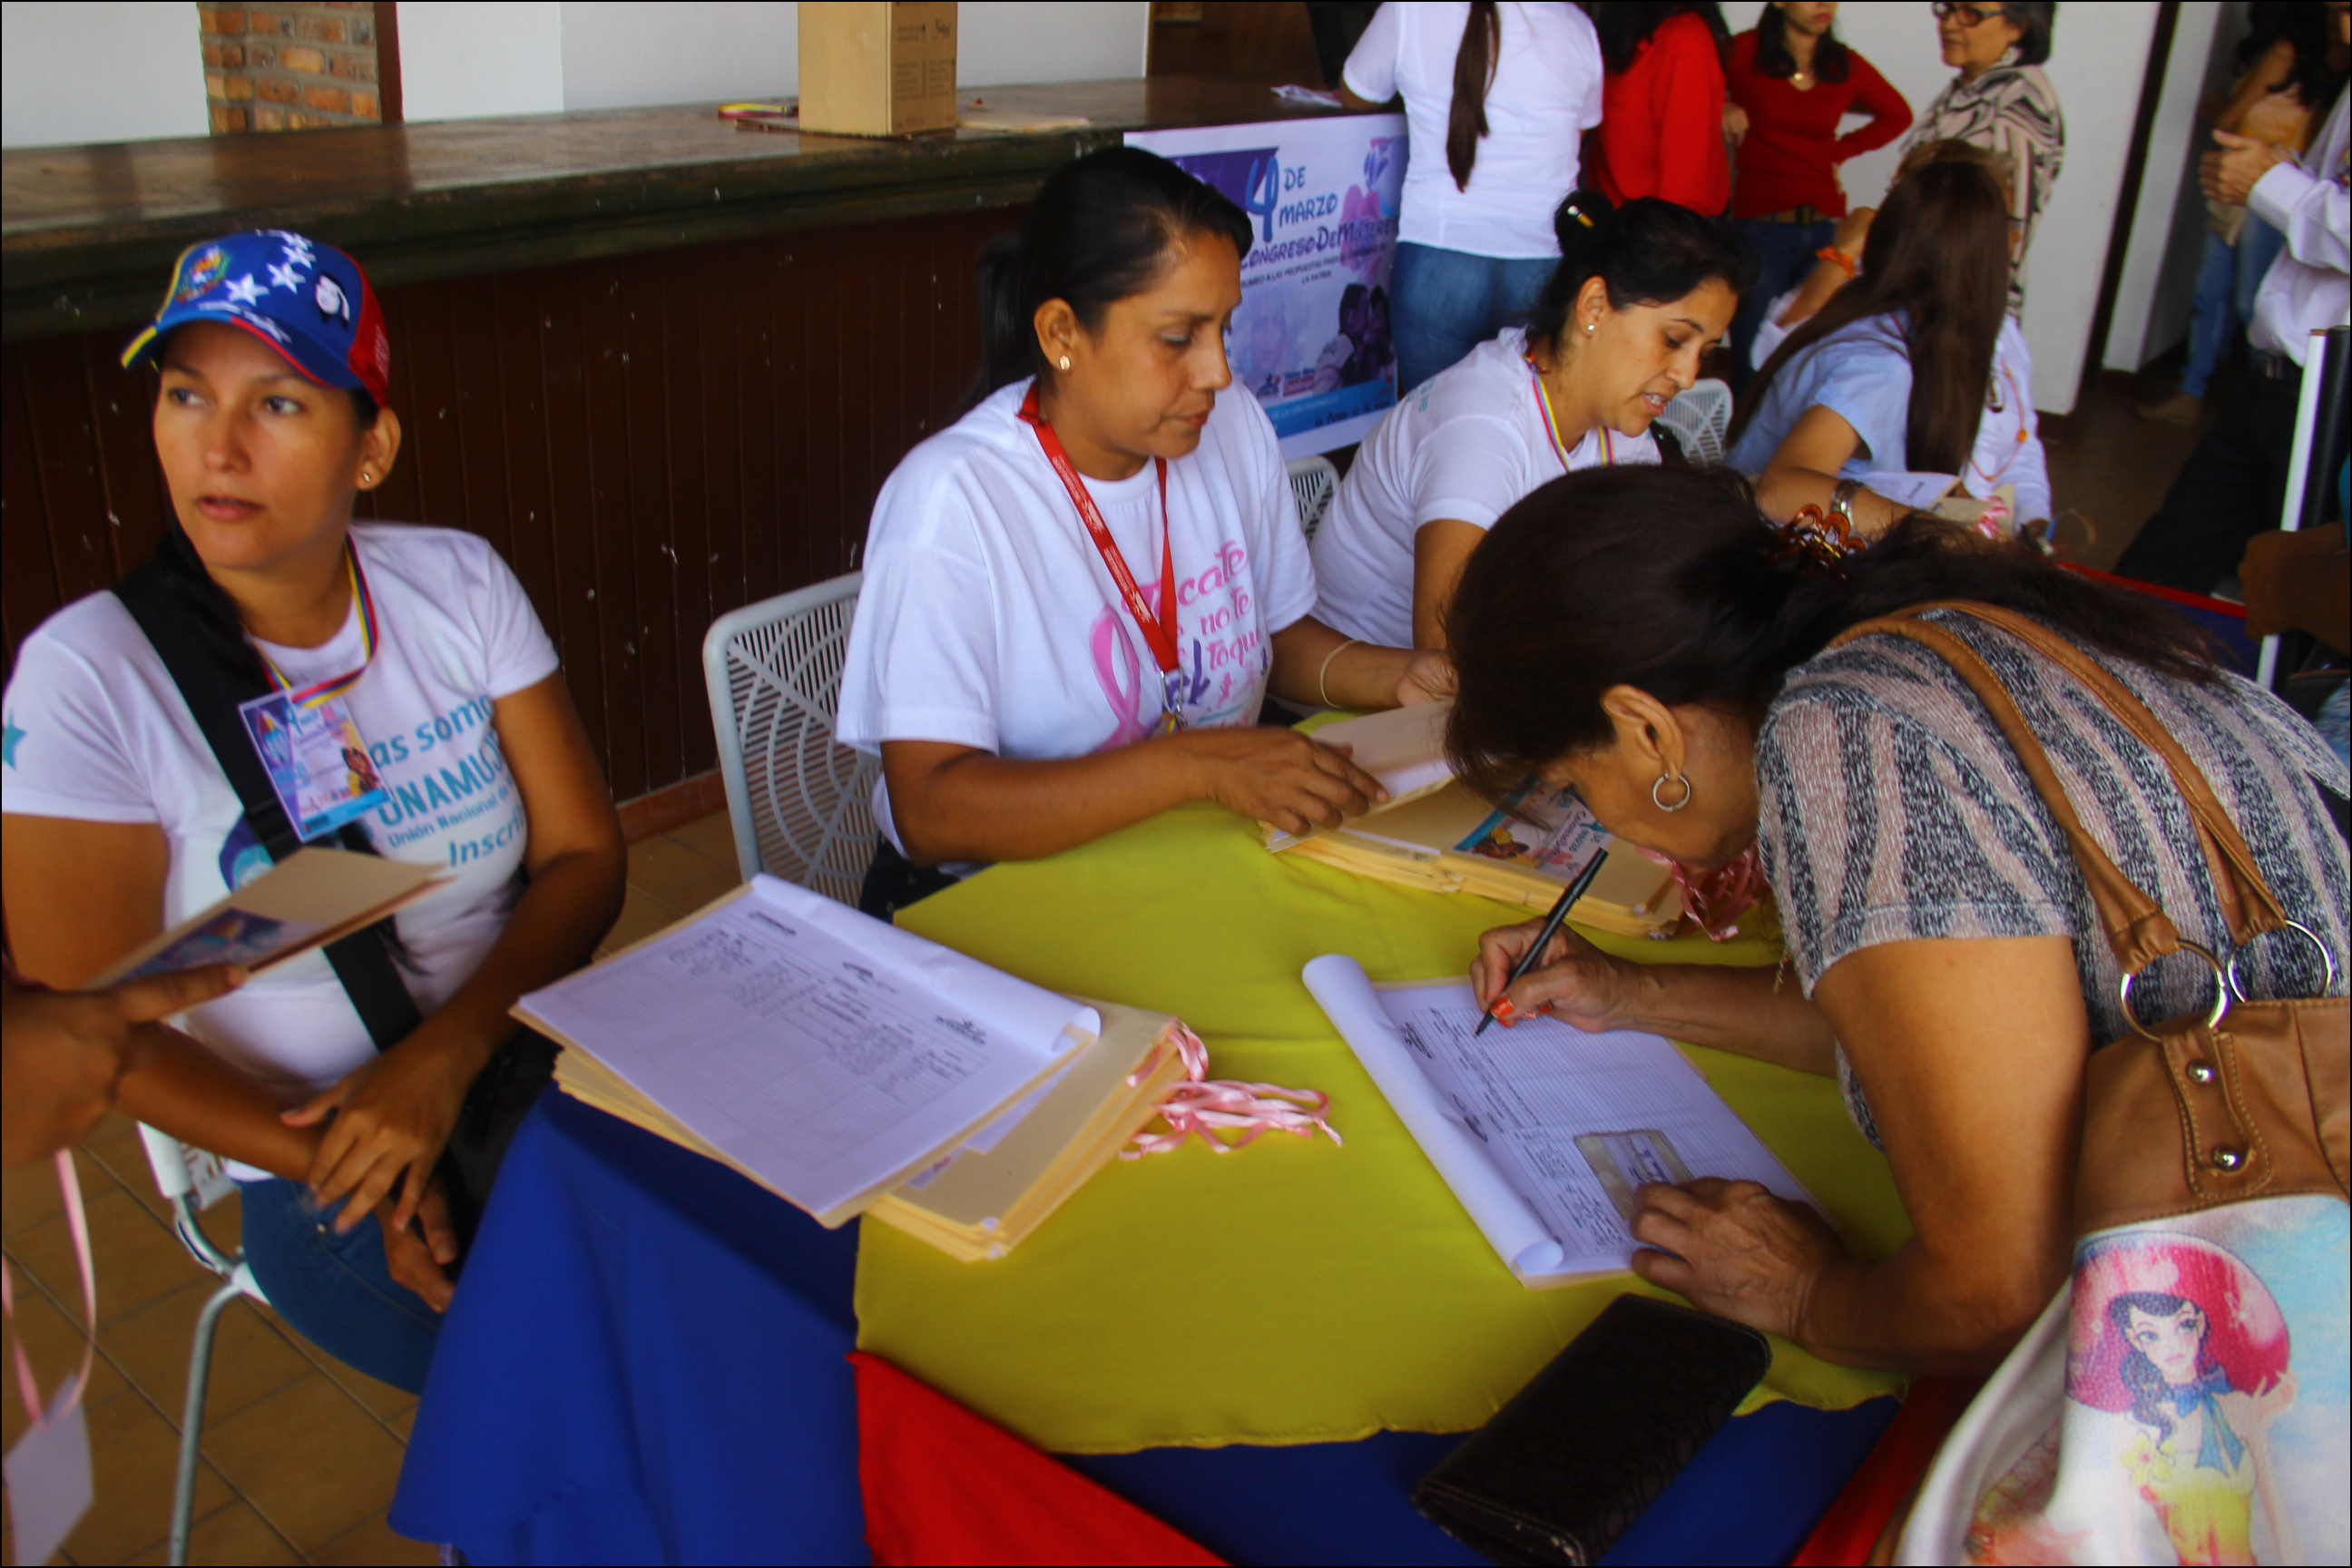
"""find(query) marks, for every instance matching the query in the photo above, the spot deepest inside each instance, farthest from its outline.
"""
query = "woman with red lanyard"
(1796, 83)
(1638, 296)
(414, 646)
(1077, 597)
(1661, 131)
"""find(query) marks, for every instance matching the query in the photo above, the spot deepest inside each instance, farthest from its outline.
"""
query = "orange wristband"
(1831, 253)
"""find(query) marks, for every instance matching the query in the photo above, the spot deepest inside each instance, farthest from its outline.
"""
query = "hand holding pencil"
(1499, 1005)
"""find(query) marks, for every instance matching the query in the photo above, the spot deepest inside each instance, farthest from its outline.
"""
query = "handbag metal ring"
(2326, 958)
(2222, 989)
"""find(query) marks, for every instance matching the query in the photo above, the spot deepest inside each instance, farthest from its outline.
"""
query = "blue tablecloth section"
(646, 1364)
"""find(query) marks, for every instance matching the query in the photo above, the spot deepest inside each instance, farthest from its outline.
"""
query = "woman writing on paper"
(1639, 295)
(1949, 967)
(1077, 596)
(269, 420)
(1912, 376)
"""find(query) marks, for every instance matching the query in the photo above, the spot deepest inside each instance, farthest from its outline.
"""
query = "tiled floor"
(300, 1452)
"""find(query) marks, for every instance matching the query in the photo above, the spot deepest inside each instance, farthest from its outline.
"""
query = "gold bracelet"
(1323, 674)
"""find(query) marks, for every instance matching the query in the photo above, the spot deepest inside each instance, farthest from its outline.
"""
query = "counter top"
(89, 233)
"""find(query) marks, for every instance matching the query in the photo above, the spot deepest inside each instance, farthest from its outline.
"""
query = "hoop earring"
(1063, 365)
(1661, 783)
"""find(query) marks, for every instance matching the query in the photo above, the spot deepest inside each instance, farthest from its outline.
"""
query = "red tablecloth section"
(941, 1485)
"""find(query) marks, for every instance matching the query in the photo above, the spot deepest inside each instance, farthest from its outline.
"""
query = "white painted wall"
(613, 53)
(2097, 57)
(2154, 295)
(460, 60)
(83, 73)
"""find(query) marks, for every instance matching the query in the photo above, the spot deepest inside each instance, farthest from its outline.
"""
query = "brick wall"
(292, 67)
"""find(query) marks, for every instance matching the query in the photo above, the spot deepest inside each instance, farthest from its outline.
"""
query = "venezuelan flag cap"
(308, 301)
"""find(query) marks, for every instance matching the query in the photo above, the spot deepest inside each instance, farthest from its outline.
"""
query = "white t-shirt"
(1545, 93)
(988, 620)
(98, 732)
(1467, 443)
(1862, 373)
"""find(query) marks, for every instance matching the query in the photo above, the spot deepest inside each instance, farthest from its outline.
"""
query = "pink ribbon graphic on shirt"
(1115, 656)
(1201, 1104)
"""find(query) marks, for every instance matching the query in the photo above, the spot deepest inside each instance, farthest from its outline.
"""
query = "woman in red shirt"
(1661, 131)
(1797, 83)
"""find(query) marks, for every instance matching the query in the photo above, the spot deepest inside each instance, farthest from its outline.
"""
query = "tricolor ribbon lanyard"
(1551, 426)
(321, 691)
(1159, 630)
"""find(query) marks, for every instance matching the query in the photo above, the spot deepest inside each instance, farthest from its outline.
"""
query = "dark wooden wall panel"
(650, 440)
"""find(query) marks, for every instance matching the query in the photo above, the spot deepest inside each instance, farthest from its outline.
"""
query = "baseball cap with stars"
(308, 301)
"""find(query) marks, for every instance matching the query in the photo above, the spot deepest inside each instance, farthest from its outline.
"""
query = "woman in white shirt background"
(119, 822)
(1912, 368)
(1497, 100)
(1637, 296)
(1077, 597)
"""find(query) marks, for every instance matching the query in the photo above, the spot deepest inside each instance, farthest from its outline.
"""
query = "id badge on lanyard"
(309, 744)
(1159, 627)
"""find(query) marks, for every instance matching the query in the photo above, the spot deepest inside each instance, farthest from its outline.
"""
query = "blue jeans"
(2228, 278)
(1443, 303)
(1784, 255)
(336, 1291)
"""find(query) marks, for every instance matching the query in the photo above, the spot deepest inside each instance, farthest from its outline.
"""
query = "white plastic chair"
(1701, 418)
(1313, 480)
(192, 1181)
(801, 804)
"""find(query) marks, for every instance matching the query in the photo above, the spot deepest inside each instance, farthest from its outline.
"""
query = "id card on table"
(317, 761)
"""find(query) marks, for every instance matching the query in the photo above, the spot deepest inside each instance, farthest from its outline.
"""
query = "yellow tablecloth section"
(1292, 1292)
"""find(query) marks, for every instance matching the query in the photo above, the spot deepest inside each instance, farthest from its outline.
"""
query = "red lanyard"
(1159, 631)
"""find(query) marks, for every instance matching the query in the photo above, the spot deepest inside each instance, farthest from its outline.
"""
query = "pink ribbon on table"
(1201, 1104)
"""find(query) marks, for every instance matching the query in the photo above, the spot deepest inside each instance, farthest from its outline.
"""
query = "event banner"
(1311, 337)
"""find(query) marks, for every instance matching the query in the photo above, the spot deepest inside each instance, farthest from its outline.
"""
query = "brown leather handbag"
(2169, 1406)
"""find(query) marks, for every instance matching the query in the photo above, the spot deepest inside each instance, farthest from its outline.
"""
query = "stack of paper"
(1432, 833)
(833, 1058)
(1543, 1132)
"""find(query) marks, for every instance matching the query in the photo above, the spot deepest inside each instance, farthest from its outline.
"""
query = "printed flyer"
(1311, 339)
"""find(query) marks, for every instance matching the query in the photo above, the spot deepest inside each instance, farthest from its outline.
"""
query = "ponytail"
(1669, 580)
(1098, 232)
(1474, 72)
(1648, 252)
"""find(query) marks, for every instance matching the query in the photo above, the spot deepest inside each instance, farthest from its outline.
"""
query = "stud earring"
(1590, 326)
(1063, 363)
(367, 477)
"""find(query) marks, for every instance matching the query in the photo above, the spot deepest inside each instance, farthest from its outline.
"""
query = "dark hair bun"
(1579, 217)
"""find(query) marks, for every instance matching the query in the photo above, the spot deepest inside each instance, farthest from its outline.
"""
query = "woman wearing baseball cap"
(160, 740)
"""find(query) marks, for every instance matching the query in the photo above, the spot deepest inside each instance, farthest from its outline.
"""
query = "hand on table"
(65, 1051)
(1280, 776)
(390, 1119)
(2231, 174)
(421, 1262)
(1574, 981)
(1734, 1250)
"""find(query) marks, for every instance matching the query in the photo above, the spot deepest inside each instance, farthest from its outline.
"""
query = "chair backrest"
(1701, 418)
(183, 1171)
(802, 803)
(1313, 480)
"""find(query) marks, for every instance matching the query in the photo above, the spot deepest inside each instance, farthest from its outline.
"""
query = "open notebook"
(849, 1066)
(1542, 1130)
(1432, 833)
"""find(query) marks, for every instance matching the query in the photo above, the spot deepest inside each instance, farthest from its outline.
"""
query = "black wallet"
(1563, 1469)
